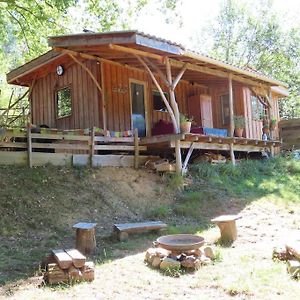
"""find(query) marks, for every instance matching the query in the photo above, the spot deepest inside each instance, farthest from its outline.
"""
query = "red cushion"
(198, 130)
(162, 127)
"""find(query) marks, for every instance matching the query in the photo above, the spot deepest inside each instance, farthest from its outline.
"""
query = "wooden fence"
(72, 147)
(290, 133)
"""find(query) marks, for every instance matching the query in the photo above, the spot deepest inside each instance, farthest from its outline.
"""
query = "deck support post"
(187, 158)
(136, 148)
(231, 124)
(173, 108)
(29, 146)
(92, 149)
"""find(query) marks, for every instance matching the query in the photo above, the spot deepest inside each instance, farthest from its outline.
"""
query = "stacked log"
(192, 259)
(66, 266)
(291, 254)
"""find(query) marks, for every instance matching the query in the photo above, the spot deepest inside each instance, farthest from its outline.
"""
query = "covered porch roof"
(121, 48)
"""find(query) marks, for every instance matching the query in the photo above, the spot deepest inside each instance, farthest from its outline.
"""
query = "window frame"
(167, 96)
(56, 101)
(222, 109)
(260, 111)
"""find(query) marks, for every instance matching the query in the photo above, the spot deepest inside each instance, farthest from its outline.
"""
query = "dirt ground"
(246, 269)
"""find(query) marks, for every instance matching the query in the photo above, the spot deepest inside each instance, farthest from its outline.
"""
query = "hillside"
(38, 208)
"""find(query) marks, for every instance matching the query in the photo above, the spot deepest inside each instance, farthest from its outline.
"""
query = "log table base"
(227, 225)
(85, 237)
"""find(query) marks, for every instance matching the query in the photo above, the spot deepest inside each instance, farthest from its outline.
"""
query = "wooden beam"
(169, 108)
(87, 70)
(190, 66)
(103, 96)
(92, 145)
(217, 73)
(179, 76)
(187, 158)
(136, 149)
(158, 71)
(136, 52)
(29, 146)
(230, 92)
(158, 139)
(220, 147)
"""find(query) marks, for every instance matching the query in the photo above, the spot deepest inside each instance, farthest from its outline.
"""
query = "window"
(158, 102)
(63, 102)
(257, 108)
(225, 109)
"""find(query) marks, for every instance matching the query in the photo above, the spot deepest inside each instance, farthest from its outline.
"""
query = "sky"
(195, 14)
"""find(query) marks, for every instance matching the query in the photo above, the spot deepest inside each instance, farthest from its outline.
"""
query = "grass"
(40, 205)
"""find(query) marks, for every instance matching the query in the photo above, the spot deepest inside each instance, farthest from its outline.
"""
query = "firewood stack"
(291, 254)
(67, 266)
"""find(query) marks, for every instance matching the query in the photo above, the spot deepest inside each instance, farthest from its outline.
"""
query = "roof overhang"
(98, 44)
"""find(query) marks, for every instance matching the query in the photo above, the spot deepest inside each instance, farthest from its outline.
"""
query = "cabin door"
(206, 111)
(138, 107)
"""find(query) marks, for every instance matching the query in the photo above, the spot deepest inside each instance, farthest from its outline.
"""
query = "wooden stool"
(85, 237)
(227, 226)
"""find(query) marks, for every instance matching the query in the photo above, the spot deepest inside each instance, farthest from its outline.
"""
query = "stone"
(156, 262)
(161, 252)
(205, 260)
(208, 251)
(149, 255)
(191, 262)
(293, 267)
(169, 263)
(196, 252)
(294, 249)
(281, 253)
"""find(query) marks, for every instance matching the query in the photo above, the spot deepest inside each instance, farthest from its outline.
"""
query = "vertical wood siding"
(87, 100)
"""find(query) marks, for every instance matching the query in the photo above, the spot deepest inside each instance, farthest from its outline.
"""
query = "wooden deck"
(207, 142)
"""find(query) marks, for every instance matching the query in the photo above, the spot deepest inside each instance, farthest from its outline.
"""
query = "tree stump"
(227, 225)
(85, 237)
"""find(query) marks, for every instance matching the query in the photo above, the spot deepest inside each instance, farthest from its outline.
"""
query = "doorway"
(138, 107)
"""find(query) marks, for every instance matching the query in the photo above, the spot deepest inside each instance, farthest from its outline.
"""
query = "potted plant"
(273, 124)
(266, 129)
(239, 125)
(185, 123)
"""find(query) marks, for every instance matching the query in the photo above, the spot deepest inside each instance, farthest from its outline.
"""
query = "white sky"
(196, 13)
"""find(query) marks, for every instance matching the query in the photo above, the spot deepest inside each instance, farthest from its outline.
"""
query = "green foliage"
(253, 37)
(158, 212)
(184, 118)
(274, 178)
(239, 122)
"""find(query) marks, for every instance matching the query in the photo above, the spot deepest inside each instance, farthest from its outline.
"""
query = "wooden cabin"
(119, 81)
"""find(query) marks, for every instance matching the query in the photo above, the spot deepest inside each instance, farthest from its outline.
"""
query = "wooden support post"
(232, 154)
(272, 150)
(136, 148)
(92, 146)
(186, 161)
(29, 146)
(87, 70)
(104, 113)
(230, 90)
(231, 125)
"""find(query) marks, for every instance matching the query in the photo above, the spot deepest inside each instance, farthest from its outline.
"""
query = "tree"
(255, 39)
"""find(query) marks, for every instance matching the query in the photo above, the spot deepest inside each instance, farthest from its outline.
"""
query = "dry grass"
(244, 270)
